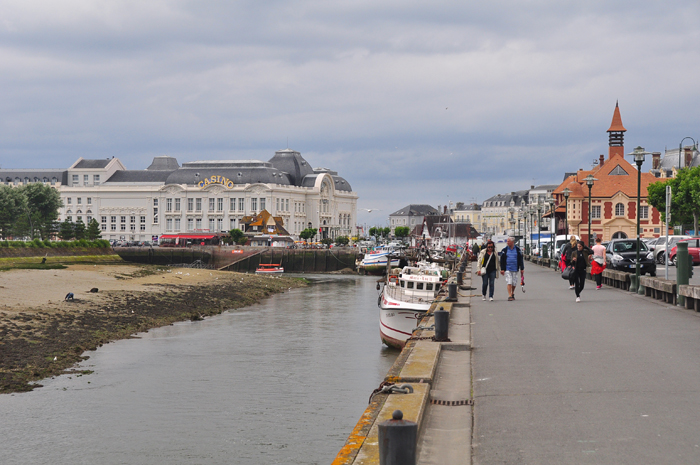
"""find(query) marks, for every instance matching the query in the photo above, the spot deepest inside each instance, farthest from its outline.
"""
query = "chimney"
(602, 160)
(655, 160)
(688, 157)
(445, 209)
(532, 187)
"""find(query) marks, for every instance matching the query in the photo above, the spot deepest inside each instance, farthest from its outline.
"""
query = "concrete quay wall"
(441, 401)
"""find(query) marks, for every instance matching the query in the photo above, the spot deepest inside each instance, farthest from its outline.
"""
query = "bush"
(4, 244)
(38, 243)
(48, 243)
(81, 243)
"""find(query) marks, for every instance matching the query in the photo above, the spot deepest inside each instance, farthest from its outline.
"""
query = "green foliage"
(327, 241)
(93, 231)
(685, 199)
(79, 230)
(38, 243)
(342, 240)
(402, 231)
(373, 231)
(308, 233)
(12, 205)
(65, 230)
(238, 236)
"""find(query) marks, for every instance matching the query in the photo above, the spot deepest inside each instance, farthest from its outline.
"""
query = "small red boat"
(269, 268)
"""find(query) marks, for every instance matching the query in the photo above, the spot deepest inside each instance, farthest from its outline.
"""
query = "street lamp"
(552, 223)
(589, 182)
(638, 154)
(680, 150)
(539, 226)
(567, 193)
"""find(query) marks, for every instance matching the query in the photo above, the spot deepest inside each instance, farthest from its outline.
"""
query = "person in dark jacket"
(566, 256)
(512, 262)
(580, 258)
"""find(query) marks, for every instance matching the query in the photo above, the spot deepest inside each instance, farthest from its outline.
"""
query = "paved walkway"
(614, 379)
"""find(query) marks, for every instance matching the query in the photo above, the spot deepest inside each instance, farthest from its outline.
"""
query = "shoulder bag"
(568, 271)
(483, 268)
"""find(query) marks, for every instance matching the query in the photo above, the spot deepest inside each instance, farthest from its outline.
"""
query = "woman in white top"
(598, 263)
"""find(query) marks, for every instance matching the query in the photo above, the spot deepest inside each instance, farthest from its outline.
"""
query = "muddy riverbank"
(42, 335)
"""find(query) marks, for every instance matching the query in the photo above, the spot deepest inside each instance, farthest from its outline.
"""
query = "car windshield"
(629, 246)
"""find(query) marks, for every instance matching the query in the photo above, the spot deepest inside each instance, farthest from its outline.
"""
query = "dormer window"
(618, 171)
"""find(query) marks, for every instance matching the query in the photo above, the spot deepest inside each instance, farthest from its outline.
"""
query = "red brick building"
(613, 196)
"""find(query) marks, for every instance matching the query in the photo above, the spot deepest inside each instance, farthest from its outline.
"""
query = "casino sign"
(226, 182)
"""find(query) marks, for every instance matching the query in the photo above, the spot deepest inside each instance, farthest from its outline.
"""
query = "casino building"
(199, 197)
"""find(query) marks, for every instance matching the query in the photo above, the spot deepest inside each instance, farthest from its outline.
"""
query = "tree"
(308, 233)
(12, 206)
(79, 229)
(402, 231)
(373, 231)
(93, 230)
(685, 200)
(65, 230)
(342, 240)
(327, 241)
(43, 202)
(238, 236)
(385, 231)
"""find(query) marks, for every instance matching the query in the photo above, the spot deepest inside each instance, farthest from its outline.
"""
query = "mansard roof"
(415, 210)
(92, 164)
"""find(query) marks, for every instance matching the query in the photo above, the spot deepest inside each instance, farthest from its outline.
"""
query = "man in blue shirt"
(512, 262)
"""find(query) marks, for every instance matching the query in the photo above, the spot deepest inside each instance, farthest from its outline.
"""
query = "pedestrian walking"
(580, 258)
(599, 263)
(511, 262)
(475, 249)
(566, 255)
(488, 266)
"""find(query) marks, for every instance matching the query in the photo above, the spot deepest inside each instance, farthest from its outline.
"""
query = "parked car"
(622, 256)
(660, 247)
(693, 250)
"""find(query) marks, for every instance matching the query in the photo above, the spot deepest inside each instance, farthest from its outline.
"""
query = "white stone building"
(200, 196)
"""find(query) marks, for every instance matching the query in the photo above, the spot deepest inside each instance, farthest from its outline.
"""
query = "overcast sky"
(411, 102)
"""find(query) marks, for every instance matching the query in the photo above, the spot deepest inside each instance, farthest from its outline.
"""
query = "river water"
(281, 382)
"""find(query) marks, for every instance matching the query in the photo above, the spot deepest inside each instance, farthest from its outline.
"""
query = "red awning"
(187, 236)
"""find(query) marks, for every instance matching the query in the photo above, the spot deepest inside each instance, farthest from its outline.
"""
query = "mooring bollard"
(451, 292)
(462, 267)
(442, 321)
(460, 278)
(397, 440)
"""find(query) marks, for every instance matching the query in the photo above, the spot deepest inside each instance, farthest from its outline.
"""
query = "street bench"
(692, 296)
(660, 289)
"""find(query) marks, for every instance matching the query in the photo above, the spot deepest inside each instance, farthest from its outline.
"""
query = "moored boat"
(375, 262)
(269, 268)
(407, 295)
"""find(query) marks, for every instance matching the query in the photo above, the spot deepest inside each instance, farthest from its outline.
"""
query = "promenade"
(614, 379)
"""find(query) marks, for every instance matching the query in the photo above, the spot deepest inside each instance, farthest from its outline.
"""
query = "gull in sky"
(370, 210)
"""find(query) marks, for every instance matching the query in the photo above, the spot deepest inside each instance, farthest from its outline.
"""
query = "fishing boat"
(375, 262)
(406, 296)
(269, 268)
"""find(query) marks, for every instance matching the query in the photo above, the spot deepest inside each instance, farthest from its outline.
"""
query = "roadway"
(614, 379)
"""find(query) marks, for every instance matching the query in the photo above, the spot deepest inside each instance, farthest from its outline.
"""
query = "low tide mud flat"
(43, 335)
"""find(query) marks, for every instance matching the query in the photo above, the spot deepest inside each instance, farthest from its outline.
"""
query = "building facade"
(498, 211)
(613, 206)
(200, 196)
(410, 216)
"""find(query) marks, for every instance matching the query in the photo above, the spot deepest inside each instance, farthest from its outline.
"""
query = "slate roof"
(126, 176)
(415, 210)
(92, 164)
(163, 163)
(9, 175)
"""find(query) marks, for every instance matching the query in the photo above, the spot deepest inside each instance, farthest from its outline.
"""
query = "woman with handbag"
(566, 255)
(488, 268)
(579, 259)
(599, 263)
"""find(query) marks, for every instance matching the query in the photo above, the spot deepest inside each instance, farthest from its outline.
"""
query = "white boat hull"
(398, 319)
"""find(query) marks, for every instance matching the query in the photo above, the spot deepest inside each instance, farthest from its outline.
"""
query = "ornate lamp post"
(539, 227)
(567, 193)
(589, 182)
(638, 154)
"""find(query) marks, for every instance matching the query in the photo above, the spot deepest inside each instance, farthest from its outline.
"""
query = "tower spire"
(616, 139)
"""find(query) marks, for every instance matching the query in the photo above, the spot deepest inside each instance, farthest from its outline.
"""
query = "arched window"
(46, 179)
(18, 180)
(53, 181)
(619, 209)
(26, 180)
(619, 235)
